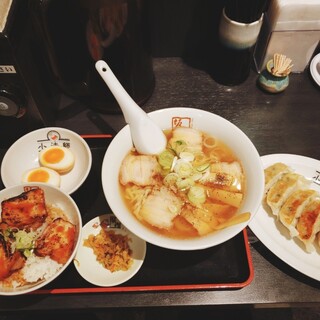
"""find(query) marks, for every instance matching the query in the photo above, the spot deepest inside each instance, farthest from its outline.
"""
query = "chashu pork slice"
(291, 210)
(9, 261)
(283, 188)
(309, 224)
(191, 137)
(160, 208)
(25, 211)
(140, 170)
(57, 241)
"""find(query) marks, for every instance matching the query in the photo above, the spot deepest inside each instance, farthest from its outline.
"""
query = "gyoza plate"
(315, 69)
(91, 270)
(274, 235)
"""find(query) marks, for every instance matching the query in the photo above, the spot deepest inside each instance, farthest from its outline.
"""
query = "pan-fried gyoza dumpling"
(292, 208)
(308, 224)
(273, 173)
(282, 189)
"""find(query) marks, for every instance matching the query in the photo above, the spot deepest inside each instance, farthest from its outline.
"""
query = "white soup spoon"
(147, 137)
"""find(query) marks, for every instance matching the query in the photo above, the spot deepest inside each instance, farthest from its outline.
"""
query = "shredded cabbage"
(20, 240)
(24, 240)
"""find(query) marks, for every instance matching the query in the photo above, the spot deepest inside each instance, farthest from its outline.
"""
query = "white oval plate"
(91, 270)
(23, 155)
(315, 68)
(274, 235)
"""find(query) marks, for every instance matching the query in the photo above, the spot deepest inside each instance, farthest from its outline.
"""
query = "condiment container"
(291, 27)
(271, 82)
(239, 28)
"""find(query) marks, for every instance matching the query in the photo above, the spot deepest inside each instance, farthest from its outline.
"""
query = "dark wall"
(186, 28)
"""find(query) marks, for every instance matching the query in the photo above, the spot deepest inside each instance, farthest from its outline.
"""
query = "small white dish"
(23, 155)
(91, 270)
(315, 68)
(274, 235)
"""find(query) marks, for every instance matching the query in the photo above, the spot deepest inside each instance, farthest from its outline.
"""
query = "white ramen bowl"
(57, 198)
(203, 121)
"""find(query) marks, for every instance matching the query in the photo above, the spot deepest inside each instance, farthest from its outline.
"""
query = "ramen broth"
(215, 177)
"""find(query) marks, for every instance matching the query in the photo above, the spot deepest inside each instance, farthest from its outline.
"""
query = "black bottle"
(239, 28)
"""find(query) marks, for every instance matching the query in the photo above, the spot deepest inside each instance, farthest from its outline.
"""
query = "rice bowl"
(38, 271)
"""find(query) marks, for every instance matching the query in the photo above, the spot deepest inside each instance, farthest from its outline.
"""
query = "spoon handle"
(128, 106)
(147, 136)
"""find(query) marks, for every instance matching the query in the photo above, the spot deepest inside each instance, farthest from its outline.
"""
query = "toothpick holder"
(270, 82)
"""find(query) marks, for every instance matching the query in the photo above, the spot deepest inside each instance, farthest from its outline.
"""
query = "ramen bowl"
(203, 121)
(41, 267)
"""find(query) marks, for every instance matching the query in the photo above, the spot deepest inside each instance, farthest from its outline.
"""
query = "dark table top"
(288, 122)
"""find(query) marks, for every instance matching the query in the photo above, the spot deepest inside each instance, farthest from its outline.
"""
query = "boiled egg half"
(42, 174)
(57, 158)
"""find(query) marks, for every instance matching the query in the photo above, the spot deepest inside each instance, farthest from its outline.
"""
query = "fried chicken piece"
(9, 262)
(57, 241)
(25, 211)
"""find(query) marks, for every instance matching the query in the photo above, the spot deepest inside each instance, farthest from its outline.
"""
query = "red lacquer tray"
(228, 265)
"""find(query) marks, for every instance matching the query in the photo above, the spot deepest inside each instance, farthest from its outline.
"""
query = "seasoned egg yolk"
(38, 176)
(54, 155)
(58, 158)
(44, 175)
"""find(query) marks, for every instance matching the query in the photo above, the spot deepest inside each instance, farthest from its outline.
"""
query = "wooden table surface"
(288, 122)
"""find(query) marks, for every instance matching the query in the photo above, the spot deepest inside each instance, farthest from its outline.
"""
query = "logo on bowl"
(316, 177)
(53, 138)
(181, 122)
(109, 221)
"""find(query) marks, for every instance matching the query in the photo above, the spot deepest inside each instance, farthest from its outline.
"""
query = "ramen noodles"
(194, 187)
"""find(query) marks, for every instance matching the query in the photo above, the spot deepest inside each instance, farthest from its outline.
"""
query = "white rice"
(39, 268)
